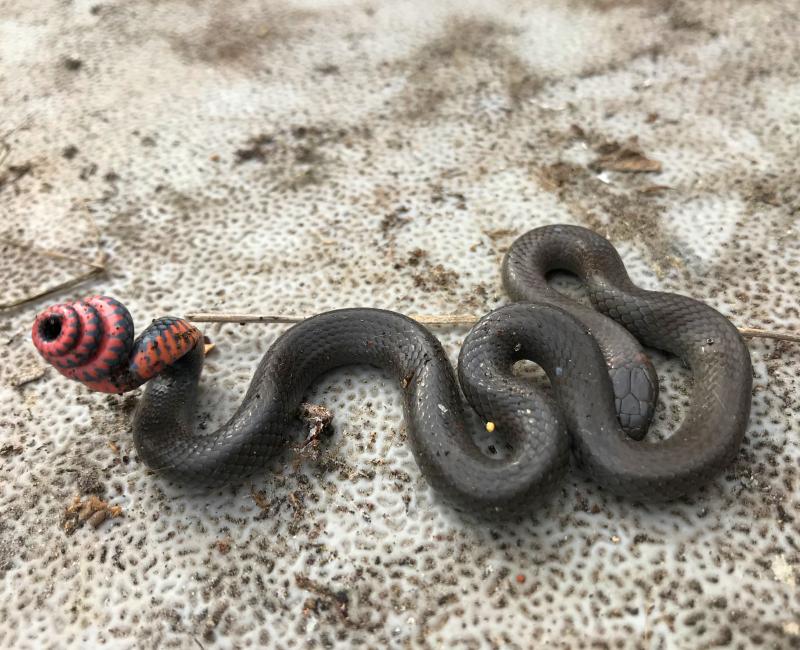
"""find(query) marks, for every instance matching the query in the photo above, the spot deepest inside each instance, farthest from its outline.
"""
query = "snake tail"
(92, 341)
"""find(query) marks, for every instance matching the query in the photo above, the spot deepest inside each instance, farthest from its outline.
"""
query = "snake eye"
(50, 328)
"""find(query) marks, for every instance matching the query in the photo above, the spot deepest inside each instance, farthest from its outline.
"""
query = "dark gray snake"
(585, 355)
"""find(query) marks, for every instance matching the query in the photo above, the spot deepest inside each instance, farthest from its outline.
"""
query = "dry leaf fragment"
(93, 511)
(627, 157)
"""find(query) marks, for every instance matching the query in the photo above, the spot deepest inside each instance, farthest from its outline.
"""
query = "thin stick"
(46, 252)
(428, 319)
(96, 268)
(232, 317)
(755, 333)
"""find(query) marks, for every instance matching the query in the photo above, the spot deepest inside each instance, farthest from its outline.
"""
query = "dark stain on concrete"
(469, 49)
(231, 37)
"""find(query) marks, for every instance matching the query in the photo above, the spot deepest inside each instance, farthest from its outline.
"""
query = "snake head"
(635, 395)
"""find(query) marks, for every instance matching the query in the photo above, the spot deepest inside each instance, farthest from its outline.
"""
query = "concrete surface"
(300, 156)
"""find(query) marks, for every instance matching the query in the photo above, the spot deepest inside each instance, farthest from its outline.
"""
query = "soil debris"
(13, 174)
(328, 598)
(327, 69)
(555, 176)
(296, 500)
(414, 258)
(260, 498)
(73, 63)
(93, 511)
(436, 277)
(319, 420)
(300, 155)
(256, 149)
(395, 219)
(9, 449)
(89, 483)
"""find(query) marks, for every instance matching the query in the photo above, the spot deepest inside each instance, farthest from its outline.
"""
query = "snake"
(603, 389)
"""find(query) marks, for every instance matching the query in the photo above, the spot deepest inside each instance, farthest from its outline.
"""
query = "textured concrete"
(301, 156)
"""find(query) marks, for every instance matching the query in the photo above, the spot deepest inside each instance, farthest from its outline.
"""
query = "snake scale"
(604, 389)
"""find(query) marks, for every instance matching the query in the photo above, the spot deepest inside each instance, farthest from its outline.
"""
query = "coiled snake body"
(583, 415)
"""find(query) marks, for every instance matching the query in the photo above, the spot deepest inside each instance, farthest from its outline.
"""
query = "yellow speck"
(490, 426)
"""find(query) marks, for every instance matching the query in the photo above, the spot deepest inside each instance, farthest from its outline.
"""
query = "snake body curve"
(568, 248)
(540, 430)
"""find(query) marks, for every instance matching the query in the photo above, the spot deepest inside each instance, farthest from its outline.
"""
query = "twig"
(231, 317)
(46, 292)
(97, 267)
(54, 254)
(755, 333)
(428, 319)
(4, 142)
(5, 148)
